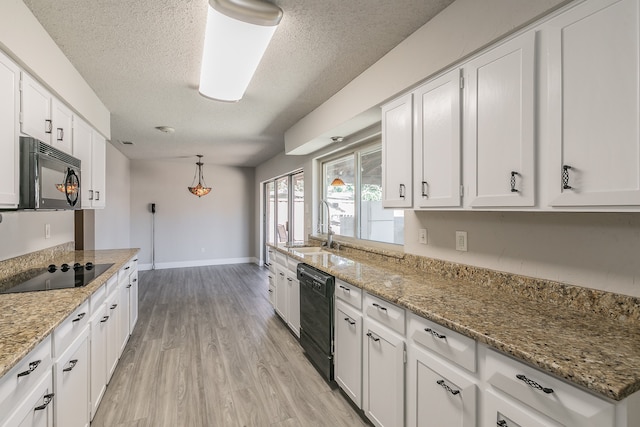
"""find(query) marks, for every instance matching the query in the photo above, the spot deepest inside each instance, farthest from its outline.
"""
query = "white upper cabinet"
(437, 142)
(397, 140)
(594, 105)
(9, 132)
(99, 170)
(500, 125)
(61, 134)
(90, 147)
(36, 110)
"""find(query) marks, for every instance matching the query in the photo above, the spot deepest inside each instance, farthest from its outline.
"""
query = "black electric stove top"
(53, 277)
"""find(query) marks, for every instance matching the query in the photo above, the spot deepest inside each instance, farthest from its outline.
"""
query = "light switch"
(461, 241)
(422, 236)
(47, 231)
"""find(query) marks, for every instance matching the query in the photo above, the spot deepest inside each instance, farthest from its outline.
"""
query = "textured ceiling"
(142, 58)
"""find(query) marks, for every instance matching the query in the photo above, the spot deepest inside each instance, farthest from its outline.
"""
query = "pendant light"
(201, 188)
(337, 182)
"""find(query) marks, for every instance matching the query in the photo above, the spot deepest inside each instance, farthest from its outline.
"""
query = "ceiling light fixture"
(237, 35)
(337, 182)
(165, 129)
(201, 188)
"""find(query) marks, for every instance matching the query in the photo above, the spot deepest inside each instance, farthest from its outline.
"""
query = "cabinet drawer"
(124, 272)
(558, 400)
(502, 411)
(281, 259)
(348, 293)
(271, 259)
(97, 298)
(70, 328)
(16, 383)
(384, 312)
(457, 348)
(292, 263)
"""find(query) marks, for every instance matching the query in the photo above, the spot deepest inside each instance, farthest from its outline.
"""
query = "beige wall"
(23, 232)
(214, 229)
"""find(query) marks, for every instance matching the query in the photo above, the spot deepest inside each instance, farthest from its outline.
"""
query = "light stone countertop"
(591, 350)
(28, 318)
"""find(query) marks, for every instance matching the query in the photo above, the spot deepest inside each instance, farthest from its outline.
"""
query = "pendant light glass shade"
(237, 35)
(337, 182)
(201, 188)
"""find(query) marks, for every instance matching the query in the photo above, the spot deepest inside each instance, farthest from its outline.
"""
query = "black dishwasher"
(316, 317)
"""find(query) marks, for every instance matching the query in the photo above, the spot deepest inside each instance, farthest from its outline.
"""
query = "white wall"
(214, 229)
(112, 230)
(23, 232)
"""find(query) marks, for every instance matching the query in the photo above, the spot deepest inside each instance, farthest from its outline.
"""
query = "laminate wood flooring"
(207, 351)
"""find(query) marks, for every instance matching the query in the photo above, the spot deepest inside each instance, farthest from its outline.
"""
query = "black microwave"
(49, 178)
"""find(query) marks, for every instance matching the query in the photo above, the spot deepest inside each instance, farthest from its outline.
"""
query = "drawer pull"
(502, 423)
(72, 364)
(373, 337)
(565, 177)
(32, 367)
(270, 291)
(135, 260)
(267, 264)
(290, 279)
(533, 384)
(128, 267)
(351, 322)
(344, 288)
(113, 306)
(435, 334)
(128, 286)
(47, 398)
(80, 316)
(135, 280)
(104, 319)
(378, 306)
(513, 181)
(442, 384)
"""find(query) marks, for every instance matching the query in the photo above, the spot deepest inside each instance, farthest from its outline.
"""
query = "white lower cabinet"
(123, 318)
(348, 351)
(504, 412)
(71, 384)
(285, 294)
(113, 330)
(383, 375)
(98, 322)
(272, 289)
(281, 292)
(293, 302)
(35, 409)
(133, 299)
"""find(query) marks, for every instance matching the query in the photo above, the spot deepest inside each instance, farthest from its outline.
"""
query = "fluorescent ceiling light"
(237, 35)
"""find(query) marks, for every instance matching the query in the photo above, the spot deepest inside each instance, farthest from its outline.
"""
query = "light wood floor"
(208, 350)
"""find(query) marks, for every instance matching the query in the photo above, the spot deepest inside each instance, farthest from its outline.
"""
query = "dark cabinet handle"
(442, 384)
(104, 319)
(435, 334)
(402, 191)
(97, 195)
(282, 274)
(267, 264)
(425, 189)
(513, 181)
(270, 291)
(135, 260)
(290, 279)
(90, 194)
(134, 280)
(565, 177)
(344, 288)
(113, 306)
(32, 367)
(47, 398)
(379, 307)
(352, 322)
(270, 276)
(72, 364)
(502, 423)
(128, 286)
(48, 126)
(373, 337)
(128, 267)
(60, 134)
(80, 316)
(531, 383)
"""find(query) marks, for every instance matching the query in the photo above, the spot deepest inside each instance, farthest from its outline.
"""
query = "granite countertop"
(27, 318)
(599, 353)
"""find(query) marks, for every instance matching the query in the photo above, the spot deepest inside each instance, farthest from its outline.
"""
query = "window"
(284, 209)
(356, 207)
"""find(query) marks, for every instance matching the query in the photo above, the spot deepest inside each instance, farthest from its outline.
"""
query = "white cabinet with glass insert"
(397, 141)
(437, 142)
(594, 105)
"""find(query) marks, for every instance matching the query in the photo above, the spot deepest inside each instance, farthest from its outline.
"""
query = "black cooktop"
(53, 277)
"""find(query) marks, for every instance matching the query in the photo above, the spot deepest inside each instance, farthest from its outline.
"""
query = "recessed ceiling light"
(165, 129)
(337, 138)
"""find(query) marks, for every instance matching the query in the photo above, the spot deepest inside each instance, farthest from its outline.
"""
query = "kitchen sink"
(310, 250)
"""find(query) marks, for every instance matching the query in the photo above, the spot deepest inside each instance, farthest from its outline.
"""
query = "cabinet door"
(36, 110)
(133, 300)
(281, 292)
(113, 332)
(9, 132)
(383, 376)
(500, 125)
(62, 134)
(438, 395)
(36, 409)
(293, 309)
(437, 141)
(99, 168)
(348, 351)
(594, 104)
(71, 384)
(82, 148)
(397, 153)
(98, 356)
(272, 289)
(123, 321)
(504, 412)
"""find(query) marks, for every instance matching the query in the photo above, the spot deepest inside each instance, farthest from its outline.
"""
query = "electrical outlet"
(47, 231)
(422, 236)
(461, 241)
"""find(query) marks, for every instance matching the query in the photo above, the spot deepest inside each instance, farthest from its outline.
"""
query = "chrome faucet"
(329, 241)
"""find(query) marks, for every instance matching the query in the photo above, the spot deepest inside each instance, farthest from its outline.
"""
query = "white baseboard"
(198, 263)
